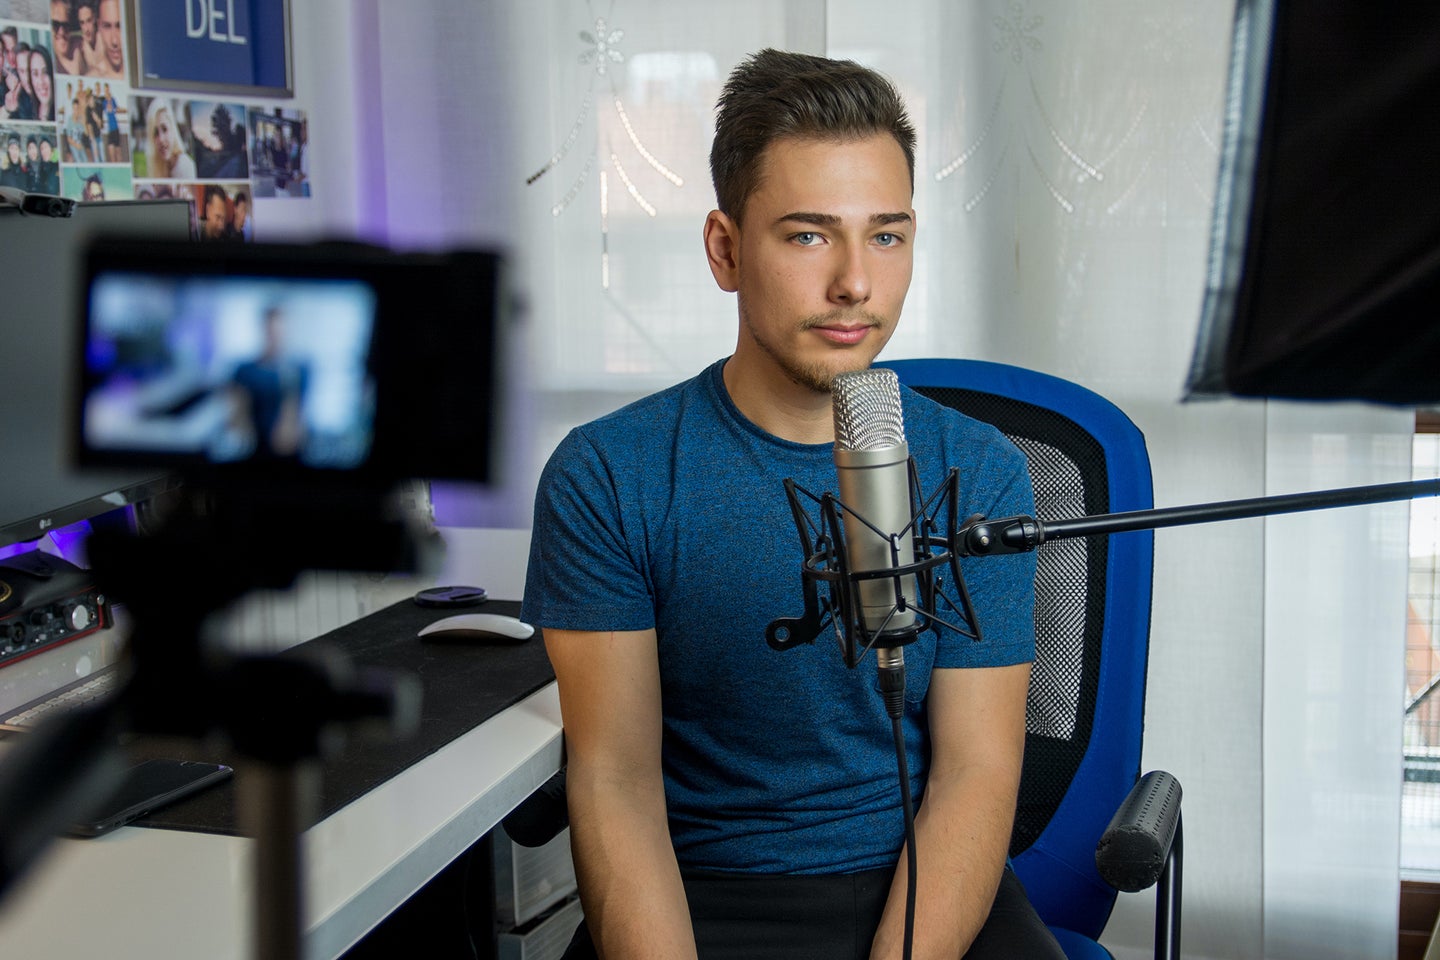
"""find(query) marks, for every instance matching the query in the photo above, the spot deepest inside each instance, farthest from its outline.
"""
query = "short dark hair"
(775, 94)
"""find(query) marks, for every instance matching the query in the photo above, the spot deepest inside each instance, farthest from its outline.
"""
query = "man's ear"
(722, 249)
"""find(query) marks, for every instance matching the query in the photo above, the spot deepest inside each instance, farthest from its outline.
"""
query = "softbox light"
(1324, 265)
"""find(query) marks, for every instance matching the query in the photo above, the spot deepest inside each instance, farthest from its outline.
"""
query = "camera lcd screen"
(226, 369)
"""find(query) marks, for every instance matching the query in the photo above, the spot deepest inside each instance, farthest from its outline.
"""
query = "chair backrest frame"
(1087, 458)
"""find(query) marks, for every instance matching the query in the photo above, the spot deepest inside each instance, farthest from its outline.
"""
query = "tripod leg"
(276, 804)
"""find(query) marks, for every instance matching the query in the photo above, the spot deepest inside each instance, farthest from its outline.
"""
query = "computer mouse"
(478, 628)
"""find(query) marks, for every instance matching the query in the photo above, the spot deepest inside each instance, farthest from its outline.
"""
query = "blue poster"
(227, 45)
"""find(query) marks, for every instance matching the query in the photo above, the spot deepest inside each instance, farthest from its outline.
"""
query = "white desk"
(149, 894)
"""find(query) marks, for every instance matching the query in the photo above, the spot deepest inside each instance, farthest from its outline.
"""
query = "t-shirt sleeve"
(586, 568)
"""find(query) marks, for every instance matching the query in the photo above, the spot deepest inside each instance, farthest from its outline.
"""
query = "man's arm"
(619, 835)
(962, 829)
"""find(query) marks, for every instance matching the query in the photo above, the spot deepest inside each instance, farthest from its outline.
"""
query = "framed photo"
(212, 46)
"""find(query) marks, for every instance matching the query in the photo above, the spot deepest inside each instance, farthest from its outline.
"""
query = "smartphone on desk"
(148, 786)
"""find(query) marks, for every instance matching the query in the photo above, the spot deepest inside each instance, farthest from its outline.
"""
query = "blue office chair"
(1087, 824)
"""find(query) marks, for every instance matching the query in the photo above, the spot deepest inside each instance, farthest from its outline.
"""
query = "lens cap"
(451, 597)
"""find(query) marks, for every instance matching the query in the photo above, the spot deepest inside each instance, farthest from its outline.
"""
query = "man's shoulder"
(655, 415)
(927, 415)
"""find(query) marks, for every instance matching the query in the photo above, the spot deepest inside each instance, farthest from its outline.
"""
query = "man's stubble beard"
(818, 377)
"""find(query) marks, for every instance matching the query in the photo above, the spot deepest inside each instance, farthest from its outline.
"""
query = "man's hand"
(962, 829)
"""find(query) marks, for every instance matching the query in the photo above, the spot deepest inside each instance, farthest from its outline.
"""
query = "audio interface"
(46, 601)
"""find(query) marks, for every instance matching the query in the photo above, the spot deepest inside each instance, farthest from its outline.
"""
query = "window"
(1420, 812)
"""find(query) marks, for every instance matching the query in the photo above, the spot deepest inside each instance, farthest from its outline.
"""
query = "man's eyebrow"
(831, 220)
(883, 219)
(814, 219)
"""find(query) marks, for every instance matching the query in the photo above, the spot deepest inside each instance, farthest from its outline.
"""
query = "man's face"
(32, 150)
(86, 16)
(110, 33)
(13, 148)
(824, 256)
(22, 66)
(60, 25)
(46, 151)
(215, 214)
(274, 333)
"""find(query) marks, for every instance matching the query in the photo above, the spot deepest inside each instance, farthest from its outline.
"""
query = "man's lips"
(845, 335)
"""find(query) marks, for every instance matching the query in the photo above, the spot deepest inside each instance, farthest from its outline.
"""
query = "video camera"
(290, 388)
(293, 385)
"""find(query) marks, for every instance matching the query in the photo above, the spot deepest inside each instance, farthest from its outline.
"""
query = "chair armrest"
(541, 816)
(1133, 850)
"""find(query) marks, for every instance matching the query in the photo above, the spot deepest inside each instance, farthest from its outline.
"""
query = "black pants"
(745, 917)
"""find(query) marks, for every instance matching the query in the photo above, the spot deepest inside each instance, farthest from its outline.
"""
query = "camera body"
(38, 204)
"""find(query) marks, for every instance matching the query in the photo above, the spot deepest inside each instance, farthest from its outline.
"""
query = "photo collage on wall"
(71, 124)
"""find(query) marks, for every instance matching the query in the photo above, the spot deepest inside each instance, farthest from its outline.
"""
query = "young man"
(727, 800)
(241, 224)
(87, 21)
(68, 43)
(13, 172)
(23, 105)
(49, 168)
(111, 43)
(33, 174)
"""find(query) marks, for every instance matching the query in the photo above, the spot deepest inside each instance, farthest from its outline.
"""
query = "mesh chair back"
(1092, 618)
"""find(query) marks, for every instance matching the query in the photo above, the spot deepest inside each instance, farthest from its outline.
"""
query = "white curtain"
(1064, 186)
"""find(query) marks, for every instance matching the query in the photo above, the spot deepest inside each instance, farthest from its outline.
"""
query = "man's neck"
(776, 404)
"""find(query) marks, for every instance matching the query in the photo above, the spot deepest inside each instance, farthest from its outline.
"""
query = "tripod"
(283, 714)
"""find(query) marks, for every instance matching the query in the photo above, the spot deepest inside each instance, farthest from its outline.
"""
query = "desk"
(151, 893)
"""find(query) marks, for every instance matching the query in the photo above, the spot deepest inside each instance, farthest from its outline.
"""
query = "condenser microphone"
(872, 461)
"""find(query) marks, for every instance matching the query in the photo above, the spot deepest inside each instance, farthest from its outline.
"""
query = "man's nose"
(851, 283)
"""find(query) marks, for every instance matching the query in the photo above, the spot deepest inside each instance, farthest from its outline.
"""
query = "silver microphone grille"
(867, 410)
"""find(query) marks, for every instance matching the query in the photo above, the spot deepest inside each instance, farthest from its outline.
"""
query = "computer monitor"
(40, 490)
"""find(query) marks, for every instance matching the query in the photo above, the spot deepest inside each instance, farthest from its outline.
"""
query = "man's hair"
(775, 94)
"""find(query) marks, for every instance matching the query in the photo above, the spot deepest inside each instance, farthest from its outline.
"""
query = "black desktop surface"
(463, 686)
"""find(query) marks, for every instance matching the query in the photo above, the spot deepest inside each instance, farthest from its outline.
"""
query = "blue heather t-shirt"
(671, 513)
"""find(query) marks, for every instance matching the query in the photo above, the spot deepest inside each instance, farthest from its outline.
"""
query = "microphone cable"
(910, 855)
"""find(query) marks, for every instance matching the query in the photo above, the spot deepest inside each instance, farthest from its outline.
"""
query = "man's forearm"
(962, 832)
(629, 881)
